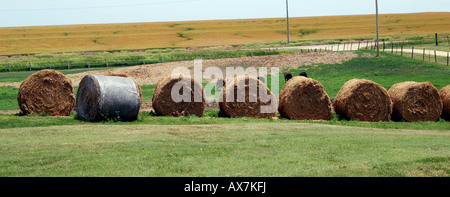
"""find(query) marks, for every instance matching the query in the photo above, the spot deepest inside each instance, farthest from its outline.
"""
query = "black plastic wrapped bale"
(108, 97)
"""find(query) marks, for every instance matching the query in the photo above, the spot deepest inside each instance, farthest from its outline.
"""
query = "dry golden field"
(98, 37)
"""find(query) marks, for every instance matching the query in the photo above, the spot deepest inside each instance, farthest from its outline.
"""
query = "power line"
(99, 7)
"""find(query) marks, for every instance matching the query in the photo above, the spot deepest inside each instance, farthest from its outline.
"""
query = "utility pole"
(378, 43)
(287, 20)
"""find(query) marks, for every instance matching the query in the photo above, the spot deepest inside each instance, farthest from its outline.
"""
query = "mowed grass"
(101, 37)
(240, 149)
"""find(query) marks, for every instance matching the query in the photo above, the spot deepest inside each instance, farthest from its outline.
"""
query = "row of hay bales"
(302, 98)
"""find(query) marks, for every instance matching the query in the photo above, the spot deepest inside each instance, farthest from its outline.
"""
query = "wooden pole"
(436, 38)
(435, 59)
(287, 21)
(378, 47)
(423, 58)
(9, 67)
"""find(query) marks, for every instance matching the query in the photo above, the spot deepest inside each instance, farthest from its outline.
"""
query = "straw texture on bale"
(231, 106)
(363, 100)
(304, 99)
(415, 101)
(100, 97)
(46, 91)
(164, 104)
(445, 97)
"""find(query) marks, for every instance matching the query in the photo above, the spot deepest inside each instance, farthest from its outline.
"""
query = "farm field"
(131, 36)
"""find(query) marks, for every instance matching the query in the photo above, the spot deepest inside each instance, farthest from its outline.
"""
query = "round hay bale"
(445, 97)
(165, 105)
(108, 97)
(232, 106)
(304, 99)
(415, 101)
(363, 100)
(46, 91)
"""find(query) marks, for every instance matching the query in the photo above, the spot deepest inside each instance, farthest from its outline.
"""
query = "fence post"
(9, 67)
(343, 48)
(68, 65)
(412, 52)
(423, 58)
(161, 59)
(359, 43)
(351, 46)
(29, 64)
(338, 47)
(436, 38)
(384, 45)
(435, 59)
(447, 58)
(392, 50)
(106, 62)
(89, 66)
(331, 47)
(49, 65)
(367, 45)
(143, 61)
(401, 51)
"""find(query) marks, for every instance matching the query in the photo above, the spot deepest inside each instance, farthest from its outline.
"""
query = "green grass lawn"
(239, 149)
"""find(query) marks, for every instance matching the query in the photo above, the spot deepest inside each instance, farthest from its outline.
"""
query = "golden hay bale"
(238, 104)
(165, 105)
(304, 99)
(100, 97)
(46, 91)
(415, 101)
(445, 97)
(364, 100)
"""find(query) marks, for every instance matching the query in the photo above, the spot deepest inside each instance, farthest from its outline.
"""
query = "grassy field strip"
(247, 149)
(130, 36)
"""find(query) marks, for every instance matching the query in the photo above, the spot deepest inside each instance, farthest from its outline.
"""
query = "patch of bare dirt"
(152, 73)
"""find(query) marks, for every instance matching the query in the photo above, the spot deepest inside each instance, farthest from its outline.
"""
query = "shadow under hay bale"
(445, 97)
(363, 100)
(239, 104)
(304, 99)
(108, 97)
(165, 105)
(415, 101)
(46, 91)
